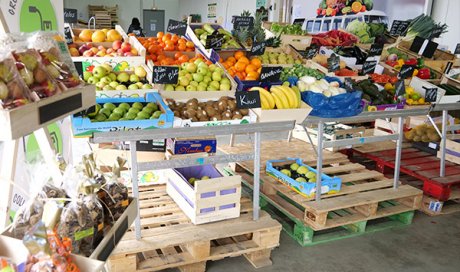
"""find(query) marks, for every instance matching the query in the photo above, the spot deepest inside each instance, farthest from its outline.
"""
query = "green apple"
(147, 110)
(107, 67)
(114, 84)
(183, 81)
(143, 115)
(107, 88)
(131, 115)
(99, 85)
(113, 76)
(197, 61)
(120, 110)
(100, 117)
(202, 70)
(93, 80)
(140, 71)
(106, 112)
(202, 86)
(134, 110)
(225, 80)
(87, 75)
(133, 87)
(215, 84)
(123, 77)
(219, 70)
(169, 87)
(99, 72)
(191, 88)
(224, 87)
(180, 88)
(198, 77)
(121, 87)
(183, 66)
(134, 78)
(156, 114)
(207, 79)
(106, 80)
(189, 77)
(125, 106)
(152, 106)
(148, 87)
(202, 64)
(137, 105)
(211, 88)
(212, 67)
(216, 76)
(193, 83)
(109, 106)
(209, 73)
(191, 67)
(139, 84)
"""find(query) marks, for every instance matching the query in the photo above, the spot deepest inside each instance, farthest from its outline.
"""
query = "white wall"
(446, 11)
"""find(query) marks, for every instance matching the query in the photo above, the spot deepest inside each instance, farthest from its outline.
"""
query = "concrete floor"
(429, 244)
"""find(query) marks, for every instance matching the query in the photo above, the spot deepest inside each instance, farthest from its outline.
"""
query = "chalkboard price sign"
(248, 99)
(242, 21)
(399, 28)
(457, 49)
(333, 63)
(400, 88)
(310, 53)
(271, 74)
(431, 94)
(68, 35)
(177, 27)
(348, 84)
(215, 41)
(376, 49)
(165, 74)
(70, 16)
(257, 49)
(406, 71)
(369, 67)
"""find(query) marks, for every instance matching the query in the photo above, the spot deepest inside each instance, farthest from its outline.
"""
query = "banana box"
(301, 178)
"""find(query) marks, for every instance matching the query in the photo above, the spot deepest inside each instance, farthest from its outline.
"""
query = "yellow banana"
(291, 96)
(280, 99)
(264, 94)
(264, 103)
(298, 95)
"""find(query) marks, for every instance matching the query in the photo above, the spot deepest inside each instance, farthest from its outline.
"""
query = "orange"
(175, 38)
(256, 62)
(356, 7)
(232, 60)
(250, 78)
(181, 47)
(190, 44)
(160, 35)
(183, 58)
(253, 75)
(240, 66)
(239, 54)
(169, 47)
(244, 59)
(181, 41)
(250, 68)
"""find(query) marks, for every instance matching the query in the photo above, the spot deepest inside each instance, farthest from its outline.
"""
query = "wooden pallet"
(433, 206)
(170, 240)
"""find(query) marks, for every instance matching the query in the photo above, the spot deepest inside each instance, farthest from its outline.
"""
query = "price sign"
(423, 47)
(431, 94)
(457, 49)
(333, 63)
(165, 74)
(369, 67)
(348, 84)
(400, 88)
(399, 28)
(242, 21)
(271, 74)
(299, 21)
(310, 52)
(257, 49)
(248, 99)
(68, 35)
(177, 27)
(436, 33)
(70, 16)
(215, 41)
(376, 49)
(406, 71)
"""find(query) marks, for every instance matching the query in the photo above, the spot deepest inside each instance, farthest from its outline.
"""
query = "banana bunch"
(281, 97)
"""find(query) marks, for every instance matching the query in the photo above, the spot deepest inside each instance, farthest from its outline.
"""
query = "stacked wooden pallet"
(106, 17)
(170, 240)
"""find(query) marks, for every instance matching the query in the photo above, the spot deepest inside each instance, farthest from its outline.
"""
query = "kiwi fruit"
(180, 104)
(222, 105)
(227, 114)
(231, 105)
(176, 113)
(171, 103)
(209, 103)
(194, 119)
(210, 111)
(244, 112)
(192, 103)
(191, 113)
(237, 116)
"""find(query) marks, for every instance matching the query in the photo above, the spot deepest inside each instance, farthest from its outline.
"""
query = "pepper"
(400, 62)
(424, 73)
(415, 73)
(391, 63)
(420, 63)
(411, 62)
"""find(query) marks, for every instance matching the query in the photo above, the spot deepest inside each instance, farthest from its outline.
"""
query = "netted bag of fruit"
(422, 133)
(56, 58)
(6, 265)
(13, 90)
(33, 72)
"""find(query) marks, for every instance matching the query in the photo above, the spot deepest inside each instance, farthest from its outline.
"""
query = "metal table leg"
(256, 175)
(442, 170)
(398, 152)
(134, 178)
(232, 140)
(319, 162)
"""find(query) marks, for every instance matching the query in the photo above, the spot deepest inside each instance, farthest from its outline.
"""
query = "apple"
(133, 78)
(99, 86)
(198, 61)
(109, 51)
(113, 76)
(116, 45)
(191, 67)
(107, 88)
(169, 87)
(180, 88)
(107, 67)
(74, 52)
(193, 83)
(209, 74)
(133, 87)
(225, 80)
(134, 51)
(88, 54)
(216, 76)
(100, 54)
(184, 81)
(128, 54)
(106, 80)
(94, 49)
(219, 70)
(121, 87)
(207, 79)
(101, 48)
(202, 64)
(183, 67)
(202, 70)
(215, 84)
(149, 87)
(126, 47)
(114, 84)
(211, 88)
(87, 75)
(198, 77)
(82, 49)
(140, 72)
(93, 80)
(202, 86)
(99, 72)
(123, 77)
(212, 67)
(189, 76)
(183, 72)
(224, 87)
(3, 91)
(191, 88)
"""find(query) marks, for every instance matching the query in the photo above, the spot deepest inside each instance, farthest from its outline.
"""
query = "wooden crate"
(433, 206)
(299, 133)
(207, 201)
(17, 122)
(452, 151)
(170, 240)
(299, 42)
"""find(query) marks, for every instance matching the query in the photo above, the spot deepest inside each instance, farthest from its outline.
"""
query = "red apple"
(83, 48)
(88, 53)
(116, 45)
(94, 49)
(109, 51)
(101, 48)
(126, 47)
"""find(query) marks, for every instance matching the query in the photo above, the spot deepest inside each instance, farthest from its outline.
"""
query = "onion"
(392, 57)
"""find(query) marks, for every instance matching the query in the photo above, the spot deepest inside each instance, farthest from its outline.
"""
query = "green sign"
(33, 149)
(37, 15)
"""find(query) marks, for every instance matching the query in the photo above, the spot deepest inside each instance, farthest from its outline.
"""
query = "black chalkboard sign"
(79, 67)
(430, 49)
(448, 67)
(431, 94)
(400, 88)
(348, 84)
(68, 35)
(399, 28)
(299, 21)
(436, 33)
(369, 67)
(242, 21)
(70, 16)
(406, 71)
(376, 49)
(457, 49)
(165, 74)
(61, 107)
(417, 44)
(215, 41)
(310, 52)
(271, 74)
(248, 99)
(333, 63)
(257, 49)
(177, 27)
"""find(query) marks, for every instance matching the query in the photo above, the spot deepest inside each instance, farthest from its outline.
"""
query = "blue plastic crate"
(83, 127)
(329, 185)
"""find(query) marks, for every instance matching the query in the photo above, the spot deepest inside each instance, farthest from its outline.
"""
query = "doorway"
(153, 22)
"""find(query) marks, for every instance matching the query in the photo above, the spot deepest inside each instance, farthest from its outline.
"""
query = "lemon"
(421, 100)
(388, 86)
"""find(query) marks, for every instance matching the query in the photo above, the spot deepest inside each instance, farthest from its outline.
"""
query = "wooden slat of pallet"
(450, 206)
(374, 147)
(360, 176)
(343, 168)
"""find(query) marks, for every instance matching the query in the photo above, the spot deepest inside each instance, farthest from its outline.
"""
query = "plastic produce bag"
(13, 90)
(342, 105)
(56, 58)
(6, 265)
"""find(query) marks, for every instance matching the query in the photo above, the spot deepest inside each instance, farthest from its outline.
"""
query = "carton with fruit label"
(301, 178)
(124, 114)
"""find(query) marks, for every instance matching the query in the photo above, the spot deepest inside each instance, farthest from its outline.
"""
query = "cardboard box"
(192, 145)
(151, 145)
(83, 127)
(298, 115)
(170, 156)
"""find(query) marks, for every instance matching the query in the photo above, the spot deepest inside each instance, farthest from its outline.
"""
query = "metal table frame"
(134, 136)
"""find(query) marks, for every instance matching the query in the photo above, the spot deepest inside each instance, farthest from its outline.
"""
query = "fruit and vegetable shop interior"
(229, 135)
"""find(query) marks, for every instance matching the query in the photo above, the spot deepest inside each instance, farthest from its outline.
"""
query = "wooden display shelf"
(24, 120)
(170, 240)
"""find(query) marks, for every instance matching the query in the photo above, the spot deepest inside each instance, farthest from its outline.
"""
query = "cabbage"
(360, 29)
